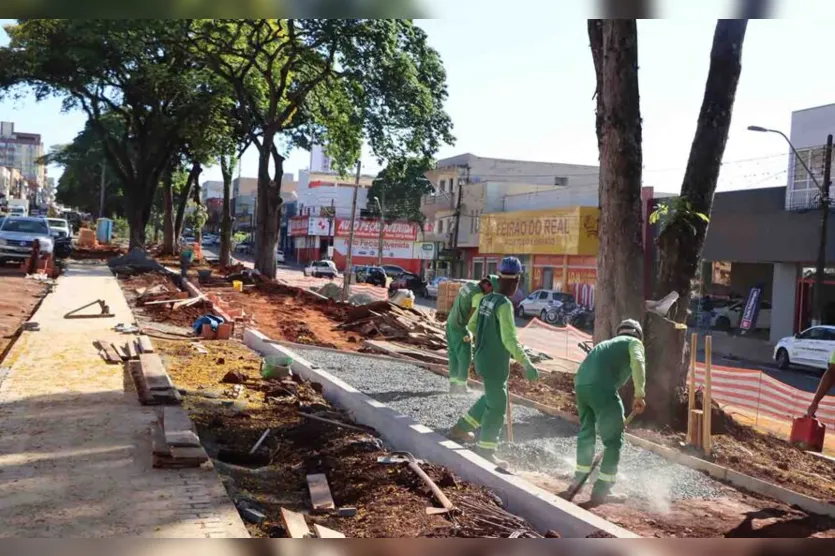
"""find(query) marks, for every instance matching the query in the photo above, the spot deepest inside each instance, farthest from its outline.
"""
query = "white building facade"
(22, 151)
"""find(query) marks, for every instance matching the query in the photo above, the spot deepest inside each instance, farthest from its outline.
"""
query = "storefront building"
(318, 237)
(557, 248)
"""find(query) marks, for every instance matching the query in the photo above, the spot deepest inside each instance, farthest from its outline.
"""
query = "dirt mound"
(136, 260)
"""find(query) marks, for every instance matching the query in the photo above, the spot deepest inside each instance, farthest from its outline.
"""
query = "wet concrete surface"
(542, 443)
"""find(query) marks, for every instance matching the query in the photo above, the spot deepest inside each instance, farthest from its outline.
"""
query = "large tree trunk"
(226, 169)
(682, 237)
(182, 204)
(168, 239)
(268, 211)
(619, 291)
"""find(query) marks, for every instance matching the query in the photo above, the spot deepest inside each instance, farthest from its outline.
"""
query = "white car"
(812, 348)
(18, 234)
(432, 287)
(279, 256)
(538, 302)
(58, 227)
(321, 268)
(727, 317)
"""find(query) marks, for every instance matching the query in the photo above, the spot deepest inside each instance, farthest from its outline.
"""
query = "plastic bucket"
(276, 366)
(238, 285)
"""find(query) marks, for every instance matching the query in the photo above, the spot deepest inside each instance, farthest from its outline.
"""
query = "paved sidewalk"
(75, 449)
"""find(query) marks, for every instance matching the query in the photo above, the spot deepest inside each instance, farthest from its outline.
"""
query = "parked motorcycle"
(571, 313)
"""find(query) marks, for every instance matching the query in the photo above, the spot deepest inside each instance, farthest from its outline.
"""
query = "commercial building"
(22, 151)
(770, 237)
(211, 189)
(468, 189)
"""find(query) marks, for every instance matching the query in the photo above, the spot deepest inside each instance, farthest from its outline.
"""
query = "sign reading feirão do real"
(571, 231)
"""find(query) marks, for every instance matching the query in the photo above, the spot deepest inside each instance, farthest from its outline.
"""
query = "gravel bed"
(542, 443)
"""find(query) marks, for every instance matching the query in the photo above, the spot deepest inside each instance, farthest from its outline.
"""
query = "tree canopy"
(400, 187)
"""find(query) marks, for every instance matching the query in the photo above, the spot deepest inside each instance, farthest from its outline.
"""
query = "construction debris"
(104, 311)
(175, 445)
(295, 524)
(385, 320)
(136, 261)
(320, 492)
(153, 385)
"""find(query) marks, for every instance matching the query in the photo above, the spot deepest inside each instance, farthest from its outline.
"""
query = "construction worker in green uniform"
(604, 371)
(459, 346)
(495, 343)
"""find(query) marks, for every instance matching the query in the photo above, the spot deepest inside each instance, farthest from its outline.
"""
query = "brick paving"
(75, 448)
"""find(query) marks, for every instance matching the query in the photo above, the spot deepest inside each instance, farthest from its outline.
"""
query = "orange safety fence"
(558, 342)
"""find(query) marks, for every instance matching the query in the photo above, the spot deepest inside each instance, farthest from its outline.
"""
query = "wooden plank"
(179, 430)
(295, 524)
(120, 351)
(158, 445)
(188, 302)
(194, 453)
(154, 372)
(109, 352)
(133, 352)
(323, 532)
(320, 492)
(145, 345)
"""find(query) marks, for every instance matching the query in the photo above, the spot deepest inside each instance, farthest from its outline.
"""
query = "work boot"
(457, 389)
(604, 495)
(490, 455)
(461, 436)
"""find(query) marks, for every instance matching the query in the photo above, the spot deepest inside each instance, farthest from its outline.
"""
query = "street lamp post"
(817, 309)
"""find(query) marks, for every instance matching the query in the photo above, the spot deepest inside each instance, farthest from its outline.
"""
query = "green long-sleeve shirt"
(612, 362)
(466, 302)
(494, 317)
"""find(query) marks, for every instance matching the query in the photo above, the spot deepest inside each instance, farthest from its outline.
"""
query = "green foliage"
(142, 95)
(400, 186)
(121, 228)
(197, 218)
(677, 210)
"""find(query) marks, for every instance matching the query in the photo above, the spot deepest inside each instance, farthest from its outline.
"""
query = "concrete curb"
(718, 472)
(543, 509)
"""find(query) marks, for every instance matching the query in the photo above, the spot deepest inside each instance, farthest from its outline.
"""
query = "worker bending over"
(826, 383)
(495, 343)
(605, 370)
(459, 346)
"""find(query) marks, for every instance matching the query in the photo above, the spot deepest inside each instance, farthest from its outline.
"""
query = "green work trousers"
(460, 354)
(488, 413)
(600, 409)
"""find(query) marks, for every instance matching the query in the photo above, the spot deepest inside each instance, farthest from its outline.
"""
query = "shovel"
(406, 457)
(572, 492)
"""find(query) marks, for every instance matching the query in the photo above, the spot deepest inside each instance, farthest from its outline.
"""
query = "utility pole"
(458, 223)
(382, 225)
(817, 309)
(101, 191)
(346, 286)
(332, 229)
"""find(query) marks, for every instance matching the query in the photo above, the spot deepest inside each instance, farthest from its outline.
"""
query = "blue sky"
(521, 85)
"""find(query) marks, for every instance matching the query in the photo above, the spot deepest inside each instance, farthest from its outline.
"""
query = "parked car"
(393, 271)
(244, 247)
(376, 276)
(728, 316)
(279, 256)
(538, 302)
(811, 348)
(321, 268)
(409, 281)
(58, 227)
(432, 287)
(18, 234)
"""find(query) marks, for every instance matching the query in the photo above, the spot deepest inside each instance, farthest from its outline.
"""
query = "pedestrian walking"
(605, 370)
(495, 341)
(459, 344)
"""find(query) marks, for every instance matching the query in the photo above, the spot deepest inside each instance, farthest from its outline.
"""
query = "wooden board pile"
(118, 352)
(174, 441)
(386, 321)
(153, 385)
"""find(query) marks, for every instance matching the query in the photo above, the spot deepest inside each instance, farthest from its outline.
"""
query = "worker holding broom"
(495, 343)
(604, 371)
(459, 345)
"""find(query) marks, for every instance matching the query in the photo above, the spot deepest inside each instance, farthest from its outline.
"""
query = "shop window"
(478, 270)
(491, 267)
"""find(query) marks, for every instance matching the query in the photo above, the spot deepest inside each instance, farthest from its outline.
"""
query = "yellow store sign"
(568, 231)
